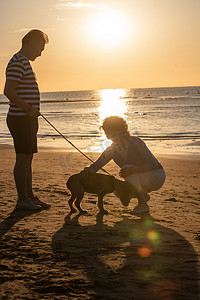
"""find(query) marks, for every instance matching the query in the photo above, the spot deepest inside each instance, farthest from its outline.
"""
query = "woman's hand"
(128, 171)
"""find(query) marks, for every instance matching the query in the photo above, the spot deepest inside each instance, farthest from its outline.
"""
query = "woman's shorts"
(24, 132)
(148, 181)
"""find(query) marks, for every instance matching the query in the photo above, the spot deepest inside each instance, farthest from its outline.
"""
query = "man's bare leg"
(23, 182)
(29, 178)
(20, 174)
(29, 187)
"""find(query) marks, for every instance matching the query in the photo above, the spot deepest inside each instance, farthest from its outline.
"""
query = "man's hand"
(33, 112)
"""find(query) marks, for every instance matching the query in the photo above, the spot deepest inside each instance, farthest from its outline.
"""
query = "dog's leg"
(70, 201)
(100, 204)
(78, 202)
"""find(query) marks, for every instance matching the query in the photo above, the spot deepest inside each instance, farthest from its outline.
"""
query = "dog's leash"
(70, 142)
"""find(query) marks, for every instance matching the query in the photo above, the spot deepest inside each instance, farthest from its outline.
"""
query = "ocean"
(167, 119)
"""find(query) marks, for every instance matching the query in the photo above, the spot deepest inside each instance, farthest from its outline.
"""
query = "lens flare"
(144, 251)
(148, 222)
(147, 275)
(154, 237)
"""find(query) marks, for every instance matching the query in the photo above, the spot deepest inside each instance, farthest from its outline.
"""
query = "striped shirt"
(20, 70)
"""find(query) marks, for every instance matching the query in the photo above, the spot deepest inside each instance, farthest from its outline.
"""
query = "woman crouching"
(138, 165)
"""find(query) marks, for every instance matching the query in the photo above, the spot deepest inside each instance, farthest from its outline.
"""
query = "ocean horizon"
(167, 119)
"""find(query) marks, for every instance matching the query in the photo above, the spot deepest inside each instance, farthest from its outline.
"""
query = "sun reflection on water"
(112, 104)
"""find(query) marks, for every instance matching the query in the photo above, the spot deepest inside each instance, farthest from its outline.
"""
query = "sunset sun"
(109, 28)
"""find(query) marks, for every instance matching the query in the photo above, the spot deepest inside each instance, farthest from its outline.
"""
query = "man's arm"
(10, 93)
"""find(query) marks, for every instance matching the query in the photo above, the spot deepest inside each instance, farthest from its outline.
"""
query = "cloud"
(65, 20)
(24, 30)
(64, 4)
(62, 20)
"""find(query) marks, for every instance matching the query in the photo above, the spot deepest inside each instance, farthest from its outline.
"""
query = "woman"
(138, 165)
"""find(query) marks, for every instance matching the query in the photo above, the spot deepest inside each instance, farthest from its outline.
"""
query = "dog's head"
(124, 191)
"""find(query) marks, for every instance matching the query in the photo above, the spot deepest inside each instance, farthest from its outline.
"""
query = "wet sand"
(54, 255)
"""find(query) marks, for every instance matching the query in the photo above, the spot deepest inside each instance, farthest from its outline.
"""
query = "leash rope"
(70, 142)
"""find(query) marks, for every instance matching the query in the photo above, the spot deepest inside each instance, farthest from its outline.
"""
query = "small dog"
(97, 184)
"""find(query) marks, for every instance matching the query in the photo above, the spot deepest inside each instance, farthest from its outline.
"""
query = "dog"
(100, 185)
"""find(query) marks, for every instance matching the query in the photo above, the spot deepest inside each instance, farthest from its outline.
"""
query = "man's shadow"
(15, 216)
(134, 259)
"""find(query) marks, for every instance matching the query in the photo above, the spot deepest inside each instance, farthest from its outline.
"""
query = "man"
(22, 90)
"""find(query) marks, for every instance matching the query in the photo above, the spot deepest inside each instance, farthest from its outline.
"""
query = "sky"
(106, 44)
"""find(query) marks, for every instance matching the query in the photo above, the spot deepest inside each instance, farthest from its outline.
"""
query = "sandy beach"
(54, 255)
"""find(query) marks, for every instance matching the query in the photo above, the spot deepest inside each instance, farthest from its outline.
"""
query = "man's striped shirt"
(20, 70)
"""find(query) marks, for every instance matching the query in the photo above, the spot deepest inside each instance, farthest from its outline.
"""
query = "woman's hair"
(116, 124)
(35, 35)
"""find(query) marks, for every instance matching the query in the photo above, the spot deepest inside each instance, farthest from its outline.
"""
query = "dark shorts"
(24, 132)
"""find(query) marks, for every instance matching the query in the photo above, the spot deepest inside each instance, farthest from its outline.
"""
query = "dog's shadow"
(134, 259)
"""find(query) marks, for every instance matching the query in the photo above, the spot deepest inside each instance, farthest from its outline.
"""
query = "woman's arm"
(104, 158)
(144, 162)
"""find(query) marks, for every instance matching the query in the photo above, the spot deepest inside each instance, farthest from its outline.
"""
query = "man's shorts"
(24, 132)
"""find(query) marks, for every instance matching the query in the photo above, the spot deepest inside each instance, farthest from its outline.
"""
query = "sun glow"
(109, 28)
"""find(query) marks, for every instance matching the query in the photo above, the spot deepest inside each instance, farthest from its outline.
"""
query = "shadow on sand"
(134, 259)
(12, 219)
